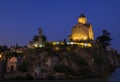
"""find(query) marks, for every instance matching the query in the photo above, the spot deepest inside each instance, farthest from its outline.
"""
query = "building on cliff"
(81, 35)
(39, 41)
(82, 32)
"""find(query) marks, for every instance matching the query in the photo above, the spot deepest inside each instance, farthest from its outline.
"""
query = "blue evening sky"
(19, 19)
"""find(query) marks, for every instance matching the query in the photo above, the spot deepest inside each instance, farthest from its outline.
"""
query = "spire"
(82, 15)
(40, 30)
(39, 36)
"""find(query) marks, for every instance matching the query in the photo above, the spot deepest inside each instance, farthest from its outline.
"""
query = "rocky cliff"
(68, 62)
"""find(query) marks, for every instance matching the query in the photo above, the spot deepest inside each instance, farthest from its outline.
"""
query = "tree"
(65, 42)
(3, 48)
(35, 38)
(105, 38)
(23, 67)
(44, 39)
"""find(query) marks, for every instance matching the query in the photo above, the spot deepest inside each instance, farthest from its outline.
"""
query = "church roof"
(80, 25)
(87, 24)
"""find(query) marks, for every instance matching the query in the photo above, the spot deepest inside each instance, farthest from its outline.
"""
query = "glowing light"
(0, 56)
(35, 45)
(57, 48)
(68, 43)
(62, 43)
(89, 44)
(40, 45)
(57, 42)
(82, 44)
(71, 42)
(54, 43)
(85, 44)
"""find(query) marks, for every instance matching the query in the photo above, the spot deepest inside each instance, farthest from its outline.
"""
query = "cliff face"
(74, 62)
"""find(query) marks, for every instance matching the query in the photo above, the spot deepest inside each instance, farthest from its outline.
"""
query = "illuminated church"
(81, 35)
(82, 31)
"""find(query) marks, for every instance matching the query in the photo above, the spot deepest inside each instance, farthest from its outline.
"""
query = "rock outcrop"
(72, 63)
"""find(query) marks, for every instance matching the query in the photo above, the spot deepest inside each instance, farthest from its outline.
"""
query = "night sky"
(20, 19)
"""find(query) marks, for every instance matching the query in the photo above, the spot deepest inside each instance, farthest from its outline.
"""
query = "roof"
(82, 15)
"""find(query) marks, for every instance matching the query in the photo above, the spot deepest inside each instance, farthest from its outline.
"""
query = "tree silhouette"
(35, 38)
(3, 48)
(105, 38)
(44, 38)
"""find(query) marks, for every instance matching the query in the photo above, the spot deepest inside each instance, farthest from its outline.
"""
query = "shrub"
(29, 77)
(64, 69)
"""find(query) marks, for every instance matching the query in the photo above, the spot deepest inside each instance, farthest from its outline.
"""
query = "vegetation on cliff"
(70, 62)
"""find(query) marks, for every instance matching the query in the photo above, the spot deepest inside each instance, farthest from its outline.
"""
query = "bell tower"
(82, 19)
(39, 36)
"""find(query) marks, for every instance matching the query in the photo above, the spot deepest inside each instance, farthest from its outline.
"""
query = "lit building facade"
(39, 43)
(82, 31)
